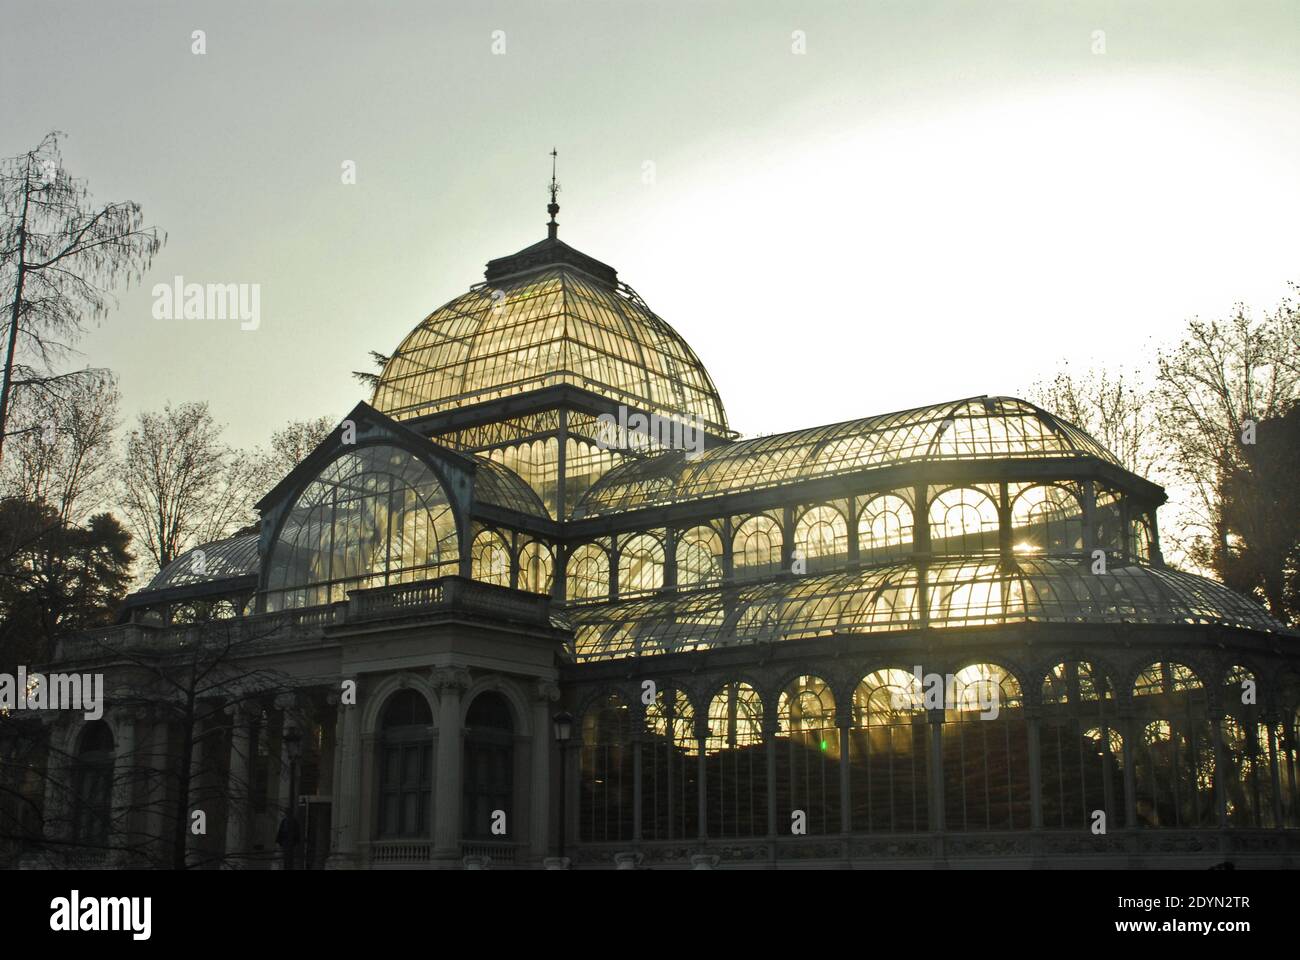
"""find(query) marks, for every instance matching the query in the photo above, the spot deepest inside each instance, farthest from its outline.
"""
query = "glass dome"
(548, 322)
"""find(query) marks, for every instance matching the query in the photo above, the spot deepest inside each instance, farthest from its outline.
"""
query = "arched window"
(588, 573)
(535, 566)
(1251, 749)
(821, 538)
(1140, 545)
(1174, 763)
(489, 773)
(963, 522)
(985, 751)
(669, 769)
(808, 757)
(699, 557)
(93, 785)
(1046, 520)
(889, 750)
(1081, 749)
(405, 766)
(756, 548)
(374, 516)
(606, 801)
(884, 529)
(490, 558)
(736, 763)
(640, 564)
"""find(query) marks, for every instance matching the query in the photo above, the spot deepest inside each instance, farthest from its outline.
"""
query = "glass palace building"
(938, 637)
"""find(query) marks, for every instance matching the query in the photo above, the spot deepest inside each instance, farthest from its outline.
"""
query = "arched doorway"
(489, 768)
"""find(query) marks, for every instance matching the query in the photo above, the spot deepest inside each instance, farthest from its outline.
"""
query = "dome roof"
(979, 428)
(219, 560)
(547, 315)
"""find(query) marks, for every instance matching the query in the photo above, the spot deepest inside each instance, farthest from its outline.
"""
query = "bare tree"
(1116, 409)
(291, 445)
(62, 452)
(1222, 377)
(60, 255)
(173, 479)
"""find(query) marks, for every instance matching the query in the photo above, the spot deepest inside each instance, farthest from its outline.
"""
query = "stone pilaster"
(451, 683)
(545, 695)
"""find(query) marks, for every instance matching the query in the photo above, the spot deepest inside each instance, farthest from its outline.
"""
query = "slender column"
(1129, 726)
(286, 805)
(545, 694)
(638, 735)
(451, 682)
(702, 774)
(770, 742)
(345, 801)
(157, 812)
(58, 779)
(1220, 756)
(937, 814)
(854, 556)
(844, 721)
(195, 799)
(237, 787)
(124, 762)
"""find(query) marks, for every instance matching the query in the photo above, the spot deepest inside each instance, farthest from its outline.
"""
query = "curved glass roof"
(497, 484)
(982, 428)
(962, 593)
(557, 324)
(219, 560)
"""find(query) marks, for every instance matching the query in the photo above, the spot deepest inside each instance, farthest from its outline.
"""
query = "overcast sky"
(935, 200)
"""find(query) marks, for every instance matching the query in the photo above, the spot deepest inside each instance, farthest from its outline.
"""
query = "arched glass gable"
(374, 516)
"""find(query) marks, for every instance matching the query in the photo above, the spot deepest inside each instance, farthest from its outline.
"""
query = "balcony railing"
(313, 624)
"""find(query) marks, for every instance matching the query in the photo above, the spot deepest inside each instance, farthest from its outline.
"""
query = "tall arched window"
(1140, 545)
(489, 774)
(821, 537)
(640, 564)
(1174, 764)
(1081, 749)
(374, 516)
(93, 785)
(535, 565)
(889, 750)
(808, 757)
(490, 558)
(405, 766)
(699, 557)
(963, 522)
(736, 763)
(756, 548)
(1046, 519)
(985, 751)
(606, 803)
(669, 768)
(1250, 751)
(884, 529)
(588, 573)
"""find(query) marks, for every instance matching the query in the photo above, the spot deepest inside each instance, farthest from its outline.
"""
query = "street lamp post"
(293, 747)
(563, 732)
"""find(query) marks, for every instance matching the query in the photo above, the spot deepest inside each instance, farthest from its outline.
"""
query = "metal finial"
(553, 208)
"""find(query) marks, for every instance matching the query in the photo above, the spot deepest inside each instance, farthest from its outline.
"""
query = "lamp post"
(563, 732)
(293, 747)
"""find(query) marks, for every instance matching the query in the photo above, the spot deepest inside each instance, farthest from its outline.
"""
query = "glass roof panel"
(884, 599)
(983, 428)
(219, 560)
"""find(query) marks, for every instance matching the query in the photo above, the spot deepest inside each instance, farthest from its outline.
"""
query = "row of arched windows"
(885, 749)
(964, 521)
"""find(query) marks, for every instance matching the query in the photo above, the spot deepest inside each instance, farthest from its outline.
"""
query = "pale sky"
(935, 200)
